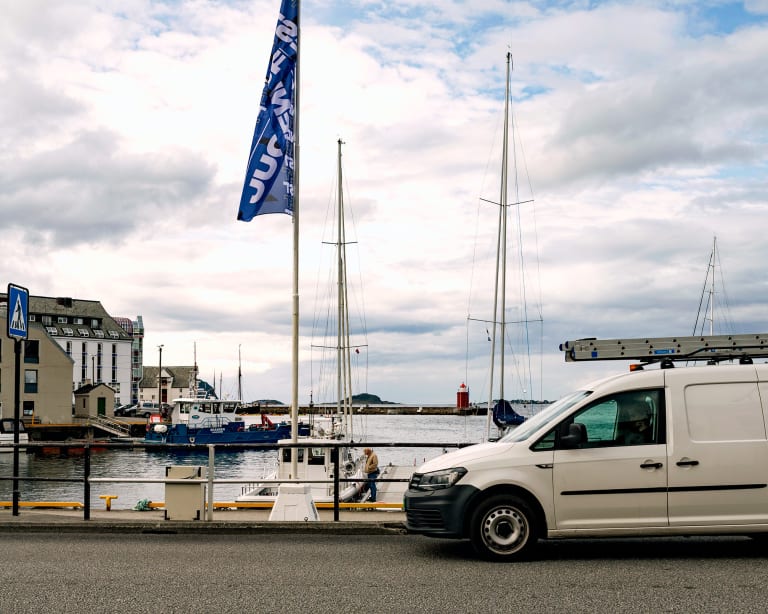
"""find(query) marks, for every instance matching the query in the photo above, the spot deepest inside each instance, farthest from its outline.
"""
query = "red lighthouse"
(462, 397)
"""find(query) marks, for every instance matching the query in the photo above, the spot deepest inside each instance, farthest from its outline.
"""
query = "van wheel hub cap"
(504, 529)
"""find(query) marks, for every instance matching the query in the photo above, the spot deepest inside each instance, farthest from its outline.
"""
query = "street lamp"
(159, 378)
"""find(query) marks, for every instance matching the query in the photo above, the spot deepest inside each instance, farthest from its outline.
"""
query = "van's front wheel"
(503, 528)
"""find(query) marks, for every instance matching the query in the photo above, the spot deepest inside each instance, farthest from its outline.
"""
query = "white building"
(99, 347)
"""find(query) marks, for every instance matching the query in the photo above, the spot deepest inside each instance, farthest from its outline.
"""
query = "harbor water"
(247, 465)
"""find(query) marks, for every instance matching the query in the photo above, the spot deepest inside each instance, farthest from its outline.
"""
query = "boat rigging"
(509, 231)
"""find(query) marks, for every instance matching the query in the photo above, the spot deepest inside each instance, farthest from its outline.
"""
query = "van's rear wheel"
(504, 528)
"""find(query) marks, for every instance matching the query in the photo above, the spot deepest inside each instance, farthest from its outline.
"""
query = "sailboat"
(335, 375)
(314, 458)
(501, 411)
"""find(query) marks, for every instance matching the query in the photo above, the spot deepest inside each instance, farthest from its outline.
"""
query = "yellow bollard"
(108, 500)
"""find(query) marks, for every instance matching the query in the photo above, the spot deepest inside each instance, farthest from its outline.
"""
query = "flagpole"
(295, 319)
(272, 176)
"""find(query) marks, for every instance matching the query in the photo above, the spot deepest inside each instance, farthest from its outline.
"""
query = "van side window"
(624, 419)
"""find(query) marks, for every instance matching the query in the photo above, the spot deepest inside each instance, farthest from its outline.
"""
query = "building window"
(114, 362)
(46, 320)
(69, 349)
(95, 323)
(61, 319)
(99, 357)
(52, 331)
(77, 320)
(28, 409)
(84, 362)
(83, 332)
(30, 381)
(114, 334)
(67, 331)
(31, 351)
(98, 333)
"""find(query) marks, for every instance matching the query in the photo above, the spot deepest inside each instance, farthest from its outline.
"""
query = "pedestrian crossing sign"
(18, 311)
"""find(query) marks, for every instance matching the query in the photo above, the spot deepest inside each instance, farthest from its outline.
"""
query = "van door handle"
(687, 463)
(651, 466)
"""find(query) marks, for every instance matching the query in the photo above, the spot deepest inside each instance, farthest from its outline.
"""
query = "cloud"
(82, 191)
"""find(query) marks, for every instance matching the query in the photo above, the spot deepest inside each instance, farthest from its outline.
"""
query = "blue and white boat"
(214, 421)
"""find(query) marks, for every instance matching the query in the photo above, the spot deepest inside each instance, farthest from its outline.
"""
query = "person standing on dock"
(372, 471)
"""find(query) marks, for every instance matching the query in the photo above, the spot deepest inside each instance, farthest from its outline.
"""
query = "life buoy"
(191, 440)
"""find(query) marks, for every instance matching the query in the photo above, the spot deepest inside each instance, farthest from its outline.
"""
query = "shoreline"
(367, 409)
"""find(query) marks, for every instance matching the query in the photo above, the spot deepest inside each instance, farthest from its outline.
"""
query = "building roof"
(90, 387)
(107, 328)
(183, 377)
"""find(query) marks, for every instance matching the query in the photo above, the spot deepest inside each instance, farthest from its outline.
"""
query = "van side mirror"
(576, 436)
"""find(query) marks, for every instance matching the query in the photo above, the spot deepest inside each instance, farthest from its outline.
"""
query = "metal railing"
(116, 427)
(87, 479)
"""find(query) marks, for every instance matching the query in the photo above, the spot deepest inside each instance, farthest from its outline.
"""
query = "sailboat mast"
(499, 294)
(503, 199)
(343, 360)
(339, 289)
(707, 311)
(345, 321)
(712, 287)
(347, 352)
(239, 376)
(194, 393)
(295, 310)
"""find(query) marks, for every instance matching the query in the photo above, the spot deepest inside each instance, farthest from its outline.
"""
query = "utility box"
(185, 501)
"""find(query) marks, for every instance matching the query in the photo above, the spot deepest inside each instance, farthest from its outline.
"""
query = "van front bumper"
(438, 513)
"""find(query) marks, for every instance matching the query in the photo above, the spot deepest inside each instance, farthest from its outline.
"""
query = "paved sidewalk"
(366, 522)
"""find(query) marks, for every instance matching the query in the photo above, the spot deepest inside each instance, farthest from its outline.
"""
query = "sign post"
(18, 324)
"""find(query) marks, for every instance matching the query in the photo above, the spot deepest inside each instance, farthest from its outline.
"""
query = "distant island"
(373, 404)
(370, 399)
(366, 398)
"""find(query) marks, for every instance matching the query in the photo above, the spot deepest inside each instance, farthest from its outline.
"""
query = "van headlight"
(437, 480)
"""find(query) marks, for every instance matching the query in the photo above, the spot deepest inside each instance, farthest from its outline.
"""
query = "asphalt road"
(373, 573)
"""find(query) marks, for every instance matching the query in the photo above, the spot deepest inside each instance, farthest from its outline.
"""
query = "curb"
(216, 528)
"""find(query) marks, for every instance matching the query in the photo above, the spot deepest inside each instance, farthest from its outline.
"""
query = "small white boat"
(314, 462)
(6, 434)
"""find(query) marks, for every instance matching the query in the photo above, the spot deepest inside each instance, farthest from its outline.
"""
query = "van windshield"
(553, 412)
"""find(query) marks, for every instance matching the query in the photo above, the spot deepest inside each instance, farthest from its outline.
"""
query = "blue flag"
(268, 186)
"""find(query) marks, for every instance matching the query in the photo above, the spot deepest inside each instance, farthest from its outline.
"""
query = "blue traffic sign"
(18, 312)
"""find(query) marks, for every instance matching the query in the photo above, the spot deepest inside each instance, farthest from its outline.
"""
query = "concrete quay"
(240, 521)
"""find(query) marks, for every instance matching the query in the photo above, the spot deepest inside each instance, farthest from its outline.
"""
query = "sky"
(640, 142)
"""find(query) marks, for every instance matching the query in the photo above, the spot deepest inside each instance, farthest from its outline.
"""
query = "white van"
(675, 451)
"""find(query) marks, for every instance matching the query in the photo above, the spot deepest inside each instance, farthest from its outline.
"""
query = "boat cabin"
(202, 413)
(314, 462)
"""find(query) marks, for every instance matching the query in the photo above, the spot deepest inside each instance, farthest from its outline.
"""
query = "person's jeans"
(372, 484)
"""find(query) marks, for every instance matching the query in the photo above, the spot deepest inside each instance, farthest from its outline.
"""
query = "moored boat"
(7, 434)
(214, 421)
(314, 461)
